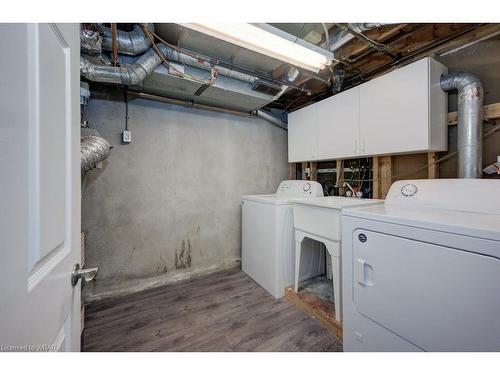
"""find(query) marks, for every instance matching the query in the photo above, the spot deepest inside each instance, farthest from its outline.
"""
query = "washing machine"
(268, 249)
(422, 271)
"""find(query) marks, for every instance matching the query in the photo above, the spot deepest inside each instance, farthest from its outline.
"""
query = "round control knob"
(307, 187)
(409, 190)
(284, 186)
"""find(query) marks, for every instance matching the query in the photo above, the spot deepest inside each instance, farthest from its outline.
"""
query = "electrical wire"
(167, 63)
(126, 108)
(226, 64)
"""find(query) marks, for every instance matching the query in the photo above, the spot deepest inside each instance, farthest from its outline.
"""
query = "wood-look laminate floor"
(226, 311)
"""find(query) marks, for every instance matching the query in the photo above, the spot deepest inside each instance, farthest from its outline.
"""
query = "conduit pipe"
(132, 74)
(93, 150)
(188, 103)
(470, 121)
(271, 118)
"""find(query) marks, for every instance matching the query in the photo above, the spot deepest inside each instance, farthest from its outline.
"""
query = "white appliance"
(422, 271)
(268, 254)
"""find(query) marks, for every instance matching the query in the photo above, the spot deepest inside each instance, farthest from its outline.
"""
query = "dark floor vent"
(265, 87)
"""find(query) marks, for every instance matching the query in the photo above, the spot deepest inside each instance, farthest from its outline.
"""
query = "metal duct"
(270, 118)
(93, 150)
(90, 38)
(133, 43)
(133, 74)
(344, 36)
(470, 121)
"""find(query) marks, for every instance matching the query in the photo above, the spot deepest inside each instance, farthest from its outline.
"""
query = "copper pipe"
(114, 44)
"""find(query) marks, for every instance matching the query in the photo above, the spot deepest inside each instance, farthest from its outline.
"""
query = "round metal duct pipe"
(470, 121)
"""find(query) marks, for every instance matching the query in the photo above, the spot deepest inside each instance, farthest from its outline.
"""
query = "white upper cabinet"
(338, 125)
(302, 134)
(403, 111)
(396, 111)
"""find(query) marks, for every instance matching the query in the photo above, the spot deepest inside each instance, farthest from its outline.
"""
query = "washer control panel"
(299, 189)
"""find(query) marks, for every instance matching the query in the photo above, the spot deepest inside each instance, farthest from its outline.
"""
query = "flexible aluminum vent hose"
(132, 43)
(133, 74)
(94, 149)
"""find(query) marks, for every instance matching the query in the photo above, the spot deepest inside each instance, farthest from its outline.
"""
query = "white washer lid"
(337, 202)
(288, 190)
(267, 199)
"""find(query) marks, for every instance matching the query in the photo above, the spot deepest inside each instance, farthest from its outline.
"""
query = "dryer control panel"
(469, 195)
(299, 189)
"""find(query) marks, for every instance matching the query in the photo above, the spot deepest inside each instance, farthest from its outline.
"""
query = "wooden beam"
(480, 33)
(376, 177)
(411, 45)
(311, 309)
(433, 167)
(490, 112)
(356, 46)
(385, 175)
(292, 171)
(305, 165)
(313, 165)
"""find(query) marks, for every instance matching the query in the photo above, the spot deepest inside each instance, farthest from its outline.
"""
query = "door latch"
(86, 274)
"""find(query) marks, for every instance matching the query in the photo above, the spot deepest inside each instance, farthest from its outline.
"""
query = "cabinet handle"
(363, 146)
(355, 146)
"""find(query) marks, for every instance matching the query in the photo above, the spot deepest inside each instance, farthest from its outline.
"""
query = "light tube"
(262, 41)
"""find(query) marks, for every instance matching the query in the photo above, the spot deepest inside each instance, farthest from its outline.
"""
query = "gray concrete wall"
(168, 204)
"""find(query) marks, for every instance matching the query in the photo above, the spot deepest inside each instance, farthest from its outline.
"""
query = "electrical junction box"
(127, 136)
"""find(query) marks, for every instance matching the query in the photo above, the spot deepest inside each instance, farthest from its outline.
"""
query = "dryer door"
(438, 298)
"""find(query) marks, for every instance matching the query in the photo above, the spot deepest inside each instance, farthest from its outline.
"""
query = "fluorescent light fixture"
(269, 41)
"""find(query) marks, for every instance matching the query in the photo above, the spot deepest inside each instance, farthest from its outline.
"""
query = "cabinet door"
(302, 134)
(394, 111)
(338, 126)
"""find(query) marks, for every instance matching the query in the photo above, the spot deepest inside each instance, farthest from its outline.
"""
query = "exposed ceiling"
(394, 45)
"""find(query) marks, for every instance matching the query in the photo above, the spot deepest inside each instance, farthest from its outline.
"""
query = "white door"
(302, 134)
(338, 126)
(436, 297)
(39, 186)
